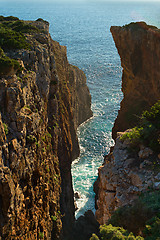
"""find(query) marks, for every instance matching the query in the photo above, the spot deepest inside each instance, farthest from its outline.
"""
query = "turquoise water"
(84, 29)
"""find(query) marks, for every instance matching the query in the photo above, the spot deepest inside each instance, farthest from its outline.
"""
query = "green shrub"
(31, 139)
(54, 218)
(134, 217)
(41, 235)
(151, 200)
(10, 39)
(142, 215)
(21, 26)
(134, 135)
(11, 33)
(1, 52)
(7, 64)
(94, 237)
(108, 232)
(5, 128)
(149, 130)
(10, 18)
(153, 115)
(152, 230)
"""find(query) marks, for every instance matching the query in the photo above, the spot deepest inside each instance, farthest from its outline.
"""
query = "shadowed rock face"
(138, 45)
(38, 140)
(84, 227)
(80, 96)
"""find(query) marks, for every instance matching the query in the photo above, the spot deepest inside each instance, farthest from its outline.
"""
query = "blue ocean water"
(84, 29)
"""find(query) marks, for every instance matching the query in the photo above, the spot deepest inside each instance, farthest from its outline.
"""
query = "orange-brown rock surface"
(38, 139)
(138, 45)
(127, 172)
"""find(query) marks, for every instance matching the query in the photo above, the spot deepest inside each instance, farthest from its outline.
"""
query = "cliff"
(124, 176)
(132, 167)
(138, 45)
(38, 122)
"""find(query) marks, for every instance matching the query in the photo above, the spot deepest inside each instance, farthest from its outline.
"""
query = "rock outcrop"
(80, 96)
(138, 45)
(38, 138)
(127, 172)
(124, 175)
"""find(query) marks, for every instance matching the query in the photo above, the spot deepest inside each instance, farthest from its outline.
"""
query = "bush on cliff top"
(10, 39)
(20, 26)
(149, 130)
(12, 33)
(9, 18)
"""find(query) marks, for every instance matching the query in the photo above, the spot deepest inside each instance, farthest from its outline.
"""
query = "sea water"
(85, 30)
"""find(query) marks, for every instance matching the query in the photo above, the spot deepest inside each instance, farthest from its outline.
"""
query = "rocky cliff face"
(124, 175)
(138, 45)
(126, 172)
(38, 138)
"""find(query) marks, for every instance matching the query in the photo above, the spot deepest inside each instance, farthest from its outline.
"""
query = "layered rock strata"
(138, 45)
(38, 138)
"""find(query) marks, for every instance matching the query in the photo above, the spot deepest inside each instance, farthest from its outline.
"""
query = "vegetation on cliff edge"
(148, 131)
(12, 38)
(11, 35)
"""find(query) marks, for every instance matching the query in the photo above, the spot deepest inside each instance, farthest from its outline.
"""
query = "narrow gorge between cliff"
(104, 81)
(42, 194)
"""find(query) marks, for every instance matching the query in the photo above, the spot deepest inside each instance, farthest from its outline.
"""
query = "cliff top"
(16, 35)
(136, 26)
(14, 32)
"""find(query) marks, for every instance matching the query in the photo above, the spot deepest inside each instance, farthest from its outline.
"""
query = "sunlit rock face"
(38, 138)
(138, 45)
(126, 172)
